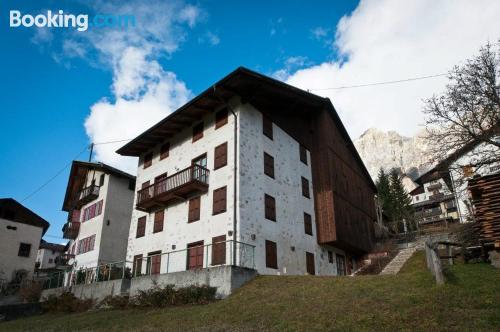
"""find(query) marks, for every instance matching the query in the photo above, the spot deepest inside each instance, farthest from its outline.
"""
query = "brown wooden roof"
(12, 210)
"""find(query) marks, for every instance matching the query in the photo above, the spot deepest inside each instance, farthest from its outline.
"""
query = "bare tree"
(468, 112)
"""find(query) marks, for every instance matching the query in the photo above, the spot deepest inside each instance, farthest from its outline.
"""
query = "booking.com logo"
(60, 19)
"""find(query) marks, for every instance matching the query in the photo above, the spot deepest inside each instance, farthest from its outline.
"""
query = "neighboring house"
(433, 200)
(47, 255)
(99, 202)
(251, 172)
(21, 231)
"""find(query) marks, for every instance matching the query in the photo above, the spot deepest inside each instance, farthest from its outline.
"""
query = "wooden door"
(195, 255)
(155, 262)
(219, 250)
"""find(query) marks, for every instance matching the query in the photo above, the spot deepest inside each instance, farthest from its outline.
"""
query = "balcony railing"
(178, 186)
(71, 229)
(62, 261)
(434, 186)
(87, 195)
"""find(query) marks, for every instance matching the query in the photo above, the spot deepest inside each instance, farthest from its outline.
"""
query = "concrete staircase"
(397, 262)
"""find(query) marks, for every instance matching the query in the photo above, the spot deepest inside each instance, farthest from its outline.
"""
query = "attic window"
(220, 118)
(198, 132)
(148, 160)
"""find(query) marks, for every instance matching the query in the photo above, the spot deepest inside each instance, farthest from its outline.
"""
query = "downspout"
(235, 171)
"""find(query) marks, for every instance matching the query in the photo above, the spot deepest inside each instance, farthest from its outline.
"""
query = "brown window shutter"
(197, 132)
(195, 255)
(310, 263)
(271, 255)
(194, 209)
(155, 261)
(148, 160)
(220, 156)
(303, 154)
(145, 184)
(267, 127)
(137, 265)
(221, 118)
(270, 207)
(158, 223)
(305, 187)
(141, 227)
(164, 151)
(268, 165)
(219, 200)
(308, 224)
(219, 250)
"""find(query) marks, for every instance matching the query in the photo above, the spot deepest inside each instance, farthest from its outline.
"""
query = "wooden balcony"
(62, 261)
(71, 229)
(177, 187)
(87, 195)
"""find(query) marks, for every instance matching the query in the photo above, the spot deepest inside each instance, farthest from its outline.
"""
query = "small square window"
(24, 250)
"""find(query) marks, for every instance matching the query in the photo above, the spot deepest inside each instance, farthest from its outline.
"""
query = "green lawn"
(408, 301)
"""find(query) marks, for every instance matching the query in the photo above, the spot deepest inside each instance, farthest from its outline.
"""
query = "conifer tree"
(401, 201)
(384, 193)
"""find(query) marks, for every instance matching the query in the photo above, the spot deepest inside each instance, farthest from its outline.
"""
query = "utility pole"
(91, 151)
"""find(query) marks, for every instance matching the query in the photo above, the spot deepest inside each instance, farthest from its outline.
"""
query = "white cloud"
(319, 33)
(389, 40)
(210, 38)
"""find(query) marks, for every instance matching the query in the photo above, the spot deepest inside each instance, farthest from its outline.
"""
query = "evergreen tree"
(384, 193)
(401, 201)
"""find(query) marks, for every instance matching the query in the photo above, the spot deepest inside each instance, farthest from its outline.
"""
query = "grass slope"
(408, 301)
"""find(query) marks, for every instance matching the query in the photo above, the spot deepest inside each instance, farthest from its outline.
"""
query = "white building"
(255, 173)
(47, 255)
(20, 236)
(99, 202)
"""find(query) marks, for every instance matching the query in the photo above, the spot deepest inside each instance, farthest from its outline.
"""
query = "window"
(310, 263)
(197, 132)
(155, 262)
(219, 200)
(195, 255)
(340, 265)
(303, 154)
(148, 160)
(220, 118)
(137, 265)
(220, 156)
(271, 255)
(86, 244)
(164, 151)
(330, 257)
(268, 165)
(131, 184)
(158, 222)
(101, 180)
(194, 209)
(141, 227)
(92, 211)
(219, 250)
(267, 127)
(305, 187)
(200, 160)
(270, 207)
(308, 224)
(24, 250)
(51, 261)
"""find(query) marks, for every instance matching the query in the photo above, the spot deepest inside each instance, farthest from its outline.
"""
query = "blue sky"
(45, 102)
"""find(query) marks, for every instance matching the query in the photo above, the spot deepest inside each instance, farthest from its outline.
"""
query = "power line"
(117, 141)
(53, 177)
(381, 83)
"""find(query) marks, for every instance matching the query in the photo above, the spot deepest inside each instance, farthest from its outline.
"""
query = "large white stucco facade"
(12, 234)
(251, 225)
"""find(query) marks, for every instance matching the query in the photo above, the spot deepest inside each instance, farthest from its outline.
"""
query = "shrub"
(66, 302)
(31, 291)
(115, 302)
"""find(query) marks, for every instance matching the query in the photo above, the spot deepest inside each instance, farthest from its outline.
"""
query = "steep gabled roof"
(77, 176)
(52, 246)
(253, 88)
(12, 210)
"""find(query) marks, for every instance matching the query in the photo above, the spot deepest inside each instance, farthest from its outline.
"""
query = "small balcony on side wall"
(71, 229)
(176, 187)
(62, 261)
(87, 195)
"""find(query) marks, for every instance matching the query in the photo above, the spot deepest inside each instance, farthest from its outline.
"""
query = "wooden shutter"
(219, 250)
(195, 255)
(164, 151)
(340, 265)
(197, 132)
(308, 224)
(271, 255)
(267, 127)
(155, 258)
(141, 227)
(270, 207)
(137, 265)
(303, 154)
(158, 222)
(194, 209)
(219, 200)
(221, 118)
(220, 156)
(148, 160)
(305, 187)
(310, 263)
(268, 165)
